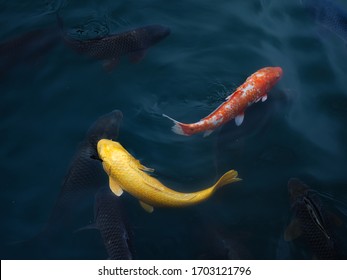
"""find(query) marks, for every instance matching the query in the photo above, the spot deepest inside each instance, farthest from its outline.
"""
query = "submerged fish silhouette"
(328, 15)
(133, 43)
(109, 220)
(27, 48)
(311, 221)
(74, 201)
(84, 174)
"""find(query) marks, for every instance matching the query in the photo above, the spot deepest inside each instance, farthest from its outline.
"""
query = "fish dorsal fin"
(215, 110)
(231, 95)
(115, 187)
(316, 216)
(293, 231)
(146, 206)
(158, 186)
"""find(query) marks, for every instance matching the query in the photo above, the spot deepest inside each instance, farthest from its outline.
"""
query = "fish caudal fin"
(178, 127)
(228, 178)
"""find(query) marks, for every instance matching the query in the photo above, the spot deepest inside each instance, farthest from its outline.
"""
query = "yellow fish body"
(128, 174)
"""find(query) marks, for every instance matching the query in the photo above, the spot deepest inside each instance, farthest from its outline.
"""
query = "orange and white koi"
(255, 88)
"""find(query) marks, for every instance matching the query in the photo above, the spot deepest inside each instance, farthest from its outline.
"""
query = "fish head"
(105, 127)
(296, 189)
(111, 153)
(156, 33)
(273, 74)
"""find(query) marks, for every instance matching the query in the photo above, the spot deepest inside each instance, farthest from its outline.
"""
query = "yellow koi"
(128, 174)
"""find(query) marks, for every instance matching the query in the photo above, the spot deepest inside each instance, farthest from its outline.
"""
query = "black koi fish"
(133, 43)
(312, 222)
(109, 220)
(84, 175)
(74, 203)
(328, 15)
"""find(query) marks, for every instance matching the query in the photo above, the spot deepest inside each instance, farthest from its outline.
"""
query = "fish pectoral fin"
(88, 227)
(264, 98)
(115, 187)
(137, 164)
(207, 133)
(147, 169)
(293, 231)
(239, 119)
(137, 56)
(146, 206)
(110, 64)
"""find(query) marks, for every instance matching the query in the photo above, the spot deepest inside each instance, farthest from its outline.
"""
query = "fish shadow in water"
(74, 206)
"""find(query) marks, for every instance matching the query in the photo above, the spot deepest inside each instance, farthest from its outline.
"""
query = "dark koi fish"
(311, 221)
(84, 174)
(329, 16)
(110, 222)
(133, 43)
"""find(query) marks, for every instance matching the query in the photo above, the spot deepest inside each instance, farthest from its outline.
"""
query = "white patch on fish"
(246, 89)
(258, 75)
(215, 121)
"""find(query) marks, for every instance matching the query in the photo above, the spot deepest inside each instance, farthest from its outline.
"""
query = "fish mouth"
(105, 127)
(279, 72)
(117, 114)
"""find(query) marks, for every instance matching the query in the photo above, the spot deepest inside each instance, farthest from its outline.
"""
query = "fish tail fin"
(178, 127)
(228, 178)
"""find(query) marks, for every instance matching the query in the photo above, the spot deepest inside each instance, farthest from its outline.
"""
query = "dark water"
(50, 98)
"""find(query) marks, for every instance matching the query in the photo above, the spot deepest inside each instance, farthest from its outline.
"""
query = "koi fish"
(255, 88)
(329, 15)
(312, 221)
(74, 202)
(133, 43)
(113, 228)
(128, 174)
(84, 175)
